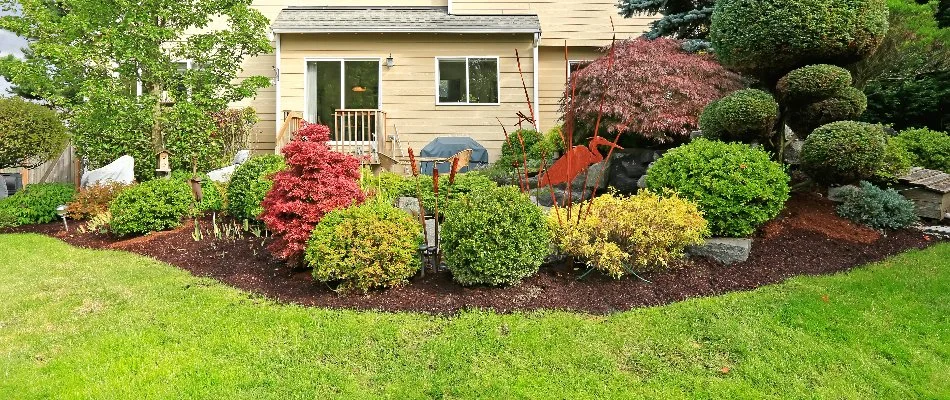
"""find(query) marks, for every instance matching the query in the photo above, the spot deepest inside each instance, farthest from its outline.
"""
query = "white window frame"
(343, 88)
(438, 80)
(574, 62)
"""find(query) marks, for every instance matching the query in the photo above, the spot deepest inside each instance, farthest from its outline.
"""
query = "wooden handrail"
(288, 130)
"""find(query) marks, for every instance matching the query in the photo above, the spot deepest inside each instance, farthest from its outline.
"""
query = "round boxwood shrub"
(494, 237)
(769, 38)
(30, 134)
(844, 152)
(746, 115)
(152, 206)
(513, 155)
(877, 208)
(737, 187)
(250, 183)
(896, 162)
(373, 245)
(35, 204)
(813, 83)
(844, 106)
(927, 148)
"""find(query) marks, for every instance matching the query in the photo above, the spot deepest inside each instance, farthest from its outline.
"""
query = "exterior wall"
(580, 23)
(552, 70)
(408, 90)
(263, 137)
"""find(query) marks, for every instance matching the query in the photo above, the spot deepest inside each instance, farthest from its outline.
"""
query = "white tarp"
(223, 175)
(121, 171)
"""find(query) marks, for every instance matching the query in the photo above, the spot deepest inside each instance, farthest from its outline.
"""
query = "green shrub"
(386, 185)
(30, 134)
(844, 152)
(746, 115)
(769, 38)
(896, 162)
(464, 183)
(213, 194)
(737, 187)
(928, 149)
(494, 237)
(845, 106)
(813, 83)
(617, 234)
(877, 208)
(35, 204)
(250, 183)
(512, 152)
(152, 206)
(552, 143)
(373, 245)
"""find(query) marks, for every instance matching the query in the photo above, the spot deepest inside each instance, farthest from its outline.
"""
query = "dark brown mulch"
(808, 238)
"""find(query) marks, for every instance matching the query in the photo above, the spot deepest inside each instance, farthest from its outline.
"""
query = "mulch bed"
(807, 239)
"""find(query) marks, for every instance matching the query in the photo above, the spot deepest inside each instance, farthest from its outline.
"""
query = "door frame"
(341, 60)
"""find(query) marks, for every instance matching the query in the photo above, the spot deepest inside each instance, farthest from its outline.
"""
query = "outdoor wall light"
(61, 211)
(390, 61)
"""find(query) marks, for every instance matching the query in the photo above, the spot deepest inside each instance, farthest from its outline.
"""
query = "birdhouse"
(164, 164)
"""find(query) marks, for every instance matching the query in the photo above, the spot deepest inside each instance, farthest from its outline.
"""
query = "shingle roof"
(391, 19)
(936, 181)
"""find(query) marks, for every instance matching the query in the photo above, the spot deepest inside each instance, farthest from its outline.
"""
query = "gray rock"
(121, 171)
(793, 152)
(726, 251)
(938, 231)
(695, 135)
(642, 183)
(836, 193)
(543, 196)
(596, 177)
(409, 205)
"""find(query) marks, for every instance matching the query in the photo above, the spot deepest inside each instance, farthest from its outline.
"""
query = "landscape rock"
(121, 171)
(596, 177)
(726, 251)
(241, 157)
(642, 182)
(793, 152)
(409, 205)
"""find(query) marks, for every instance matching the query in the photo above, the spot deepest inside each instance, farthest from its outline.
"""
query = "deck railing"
(293, 120)
(361, 133)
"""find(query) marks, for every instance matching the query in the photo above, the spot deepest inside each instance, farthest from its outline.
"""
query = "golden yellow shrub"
(620, 234)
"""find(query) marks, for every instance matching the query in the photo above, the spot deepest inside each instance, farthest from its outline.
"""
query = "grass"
(99, 324)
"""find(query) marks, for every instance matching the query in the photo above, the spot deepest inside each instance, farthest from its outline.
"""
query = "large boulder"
(121, 171)
(726, 251)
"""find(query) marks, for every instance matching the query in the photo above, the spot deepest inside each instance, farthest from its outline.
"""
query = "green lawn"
(110, 325)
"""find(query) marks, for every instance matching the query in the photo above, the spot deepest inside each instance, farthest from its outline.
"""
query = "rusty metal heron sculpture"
(575, 161)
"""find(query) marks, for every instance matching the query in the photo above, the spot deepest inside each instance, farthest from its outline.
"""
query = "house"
(387, 78)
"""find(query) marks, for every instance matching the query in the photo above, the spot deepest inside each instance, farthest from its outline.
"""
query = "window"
(468, 80)
(574, 66)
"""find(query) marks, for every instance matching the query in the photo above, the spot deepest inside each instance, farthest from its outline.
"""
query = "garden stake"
(422, 210)
(435, 189)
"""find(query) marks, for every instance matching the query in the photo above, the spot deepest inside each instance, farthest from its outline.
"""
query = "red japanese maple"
(654, 90)
(316, 181)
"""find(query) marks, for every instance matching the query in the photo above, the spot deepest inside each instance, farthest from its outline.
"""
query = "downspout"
(537, 111)
(277, 111)
(450, 7)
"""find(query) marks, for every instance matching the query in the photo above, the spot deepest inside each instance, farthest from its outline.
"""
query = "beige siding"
(552, 69)
(409, 89)
(580, 23)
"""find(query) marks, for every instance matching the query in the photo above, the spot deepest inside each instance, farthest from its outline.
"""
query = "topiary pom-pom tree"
(316, 181)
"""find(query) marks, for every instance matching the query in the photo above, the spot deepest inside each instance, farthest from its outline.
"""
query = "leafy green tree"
(116, 69)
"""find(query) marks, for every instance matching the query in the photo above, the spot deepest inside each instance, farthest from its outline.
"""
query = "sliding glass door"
(340, 84)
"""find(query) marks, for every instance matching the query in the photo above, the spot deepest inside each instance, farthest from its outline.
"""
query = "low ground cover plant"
(844, 152)
(250, 183)
(620, 235)
(35, 204)
(877, 208)
(737, 187)
(315, 182)
(369, 246)
(151, 206)
(928, 148)
(494, 237)
(93, 200)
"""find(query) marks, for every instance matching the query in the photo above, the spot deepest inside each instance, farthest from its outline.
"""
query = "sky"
(9, 44)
